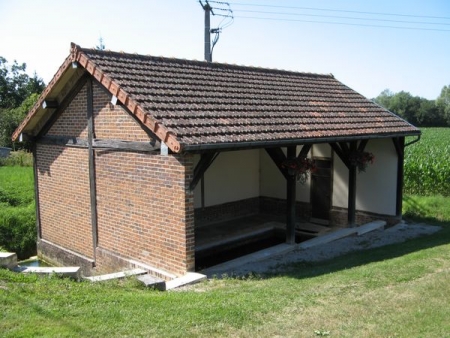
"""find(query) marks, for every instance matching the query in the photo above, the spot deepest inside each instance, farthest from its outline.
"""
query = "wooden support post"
(290, 199)
(36, 193)
(278, 157)
(305, 150)
(92, 183)
(205, 161)
(352, 190)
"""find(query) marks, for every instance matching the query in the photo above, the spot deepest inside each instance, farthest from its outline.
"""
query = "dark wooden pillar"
(92, 178)
(351, 217)
(36, 193)
(290, 199)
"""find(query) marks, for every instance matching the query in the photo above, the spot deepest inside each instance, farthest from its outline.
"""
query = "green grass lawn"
(400, 290)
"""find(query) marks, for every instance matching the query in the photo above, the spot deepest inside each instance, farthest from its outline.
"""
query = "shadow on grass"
(362, 257)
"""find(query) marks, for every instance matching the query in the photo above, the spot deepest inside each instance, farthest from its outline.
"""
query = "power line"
(342, 23)
(343, 11)
(342, 17)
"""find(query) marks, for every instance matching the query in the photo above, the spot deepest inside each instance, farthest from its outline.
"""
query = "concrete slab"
(372, 226)
(400, 226)
(153, 282)
(187, 279)
(8, 260)
(117, 275)
(329, 237)
(253, 257)
(73, 272)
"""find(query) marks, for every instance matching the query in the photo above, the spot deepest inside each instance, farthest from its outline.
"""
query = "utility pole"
(226, 21)
(207, 9)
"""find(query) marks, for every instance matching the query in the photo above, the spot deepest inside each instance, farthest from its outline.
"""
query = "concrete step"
(153, 282)
(187, 279)
(116, 275)
(8, 260)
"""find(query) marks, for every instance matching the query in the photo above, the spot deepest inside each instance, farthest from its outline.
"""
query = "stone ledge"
(153, 282)
(116, 275)
(8, 260)
(71, 272)
(372, 226)
(187, 279)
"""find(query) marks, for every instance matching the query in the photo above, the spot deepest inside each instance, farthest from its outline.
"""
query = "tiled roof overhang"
(198, 106)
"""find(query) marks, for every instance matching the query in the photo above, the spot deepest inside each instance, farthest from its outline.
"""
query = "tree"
(16, 85)
(428, 114)
(384, 99)
(443, 104)
(417, 110)
(18, 92)
(11, 118)
(404, 105)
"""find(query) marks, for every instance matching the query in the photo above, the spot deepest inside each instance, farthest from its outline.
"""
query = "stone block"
(8, 260)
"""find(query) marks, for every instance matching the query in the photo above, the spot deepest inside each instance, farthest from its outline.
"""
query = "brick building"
(134, 153)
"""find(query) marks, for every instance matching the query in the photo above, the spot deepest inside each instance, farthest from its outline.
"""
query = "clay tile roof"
(194, 105)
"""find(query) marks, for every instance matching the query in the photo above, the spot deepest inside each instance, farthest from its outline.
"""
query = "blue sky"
(365, 58)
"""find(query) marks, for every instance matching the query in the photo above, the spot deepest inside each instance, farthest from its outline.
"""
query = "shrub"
(19, 158)
(18, 230)
(17, 211)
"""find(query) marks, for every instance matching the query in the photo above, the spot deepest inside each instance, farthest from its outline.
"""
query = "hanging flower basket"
(361, 159)
(300, 167)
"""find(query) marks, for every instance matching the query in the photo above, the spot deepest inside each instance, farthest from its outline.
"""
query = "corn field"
(427, 163)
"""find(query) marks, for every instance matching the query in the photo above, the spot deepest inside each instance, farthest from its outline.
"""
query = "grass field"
(427, 163)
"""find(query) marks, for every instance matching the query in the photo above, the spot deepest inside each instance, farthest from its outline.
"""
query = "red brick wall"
(142, 209)
(113, 122)
(65, 213)
(72, 121)
(141, 203)
(63, 179)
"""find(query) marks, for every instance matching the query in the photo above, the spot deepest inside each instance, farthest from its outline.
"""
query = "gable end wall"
(144, 214)
(63, 179)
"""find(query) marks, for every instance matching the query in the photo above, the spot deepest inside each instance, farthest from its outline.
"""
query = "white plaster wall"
(340, 180)
(376, 188)
(273, 183)
(233, 176)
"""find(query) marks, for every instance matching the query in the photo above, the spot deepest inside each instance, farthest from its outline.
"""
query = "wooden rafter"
(205, 161)
(278, 157)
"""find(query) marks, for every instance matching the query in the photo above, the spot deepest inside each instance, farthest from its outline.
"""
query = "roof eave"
(227, 146)
(37, 116)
